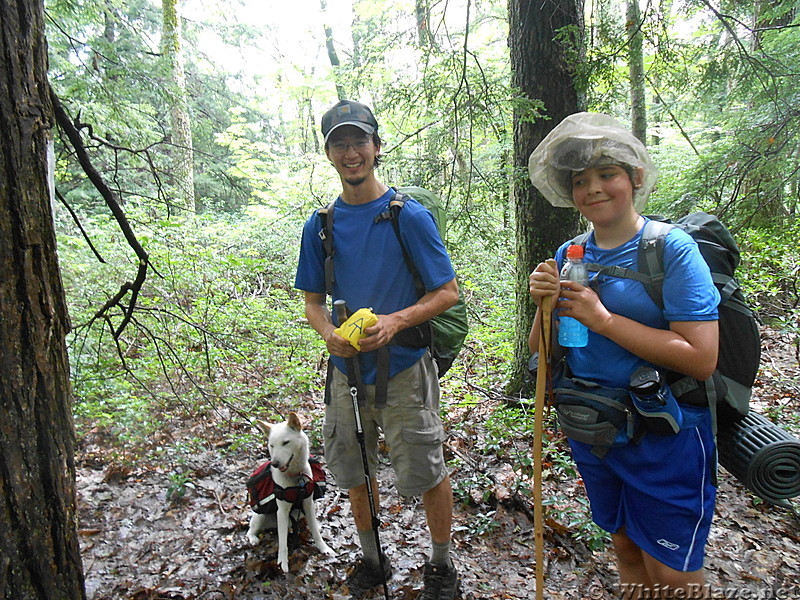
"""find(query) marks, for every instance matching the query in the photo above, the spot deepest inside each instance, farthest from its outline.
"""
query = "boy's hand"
(544, 282)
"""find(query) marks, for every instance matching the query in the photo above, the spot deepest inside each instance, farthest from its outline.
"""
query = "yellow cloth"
(353, 329)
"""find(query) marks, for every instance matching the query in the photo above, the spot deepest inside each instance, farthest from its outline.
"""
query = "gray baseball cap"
(347, 112)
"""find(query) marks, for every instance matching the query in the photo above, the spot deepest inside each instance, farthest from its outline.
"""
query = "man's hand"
(319, 317)
(381, 333)
(337, 345)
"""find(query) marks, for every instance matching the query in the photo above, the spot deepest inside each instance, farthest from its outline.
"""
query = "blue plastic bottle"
(653, 399)
(571, 332)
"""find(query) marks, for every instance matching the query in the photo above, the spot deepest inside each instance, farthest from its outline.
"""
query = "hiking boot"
(440, 582)
(364, 576)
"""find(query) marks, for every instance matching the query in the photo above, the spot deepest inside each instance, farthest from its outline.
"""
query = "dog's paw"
(253, 539)
(326, 550)
(283, 559)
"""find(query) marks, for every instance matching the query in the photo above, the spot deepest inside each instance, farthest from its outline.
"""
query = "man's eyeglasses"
(341, 147)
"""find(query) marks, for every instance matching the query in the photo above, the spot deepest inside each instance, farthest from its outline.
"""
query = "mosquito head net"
(582, 141)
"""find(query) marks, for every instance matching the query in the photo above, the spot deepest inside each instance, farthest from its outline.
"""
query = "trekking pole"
(354, 381)
(538, 432)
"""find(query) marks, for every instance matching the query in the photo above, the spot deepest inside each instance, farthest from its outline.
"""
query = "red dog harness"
(263, 491)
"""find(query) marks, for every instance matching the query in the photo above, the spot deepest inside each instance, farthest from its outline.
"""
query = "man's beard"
(356, 181)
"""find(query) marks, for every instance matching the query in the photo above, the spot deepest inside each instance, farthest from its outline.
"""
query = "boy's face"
(352, 153)
(603, 194)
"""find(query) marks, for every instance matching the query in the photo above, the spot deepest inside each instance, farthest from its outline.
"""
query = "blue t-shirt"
(368, 266)
(688, 291)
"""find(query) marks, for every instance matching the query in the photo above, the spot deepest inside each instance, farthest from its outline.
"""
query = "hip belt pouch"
(593, 414)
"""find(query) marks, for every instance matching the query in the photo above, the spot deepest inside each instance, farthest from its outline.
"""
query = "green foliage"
(771, 261)
(179, 483)
(471, 486)
(508, 438)
(217, 322)
(106, 67)
(482, 524)
(770, 274)
(673, 196)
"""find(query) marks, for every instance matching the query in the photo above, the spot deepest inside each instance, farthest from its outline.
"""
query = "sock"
(369, 546)
(440, 554)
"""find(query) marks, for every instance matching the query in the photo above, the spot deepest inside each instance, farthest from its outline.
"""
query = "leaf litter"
(147, 534)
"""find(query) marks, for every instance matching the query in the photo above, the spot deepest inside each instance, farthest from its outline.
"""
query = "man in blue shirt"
(370, 273)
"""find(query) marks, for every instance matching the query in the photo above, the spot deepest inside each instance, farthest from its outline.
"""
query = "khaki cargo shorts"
(410, 423)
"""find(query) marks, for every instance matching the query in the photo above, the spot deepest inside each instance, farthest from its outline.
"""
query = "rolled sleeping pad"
(764, 457)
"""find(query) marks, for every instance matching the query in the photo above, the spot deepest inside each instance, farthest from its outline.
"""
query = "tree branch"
(77, 222)
(74, 136)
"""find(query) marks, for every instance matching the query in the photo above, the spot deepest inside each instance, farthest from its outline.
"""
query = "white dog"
(288, 450)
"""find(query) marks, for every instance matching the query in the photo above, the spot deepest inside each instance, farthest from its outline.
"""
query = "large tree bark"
(182, 153)
(39, 551)
(541, 70)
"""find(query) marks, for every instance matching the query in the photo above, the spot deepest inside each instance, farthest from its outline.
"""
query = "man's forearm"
(319, 317)
(431, 304)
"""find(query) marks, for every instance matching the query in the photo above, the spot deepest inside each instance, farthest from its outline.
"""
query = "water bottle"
(654, 401)
(571, 332)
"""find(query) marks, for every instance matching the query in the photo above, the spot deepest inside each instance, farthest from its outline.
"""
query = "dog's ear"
(295, 422)
(265, 428)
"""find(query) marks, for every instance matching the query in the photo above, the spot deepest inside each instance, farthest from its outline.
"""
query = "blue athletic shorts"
(660, 490)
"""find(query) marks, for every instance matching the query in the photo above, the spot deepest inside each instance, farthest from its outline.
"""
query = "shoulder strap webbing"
(326, 235)
(651, 257)
(395, 206)
(611, 270)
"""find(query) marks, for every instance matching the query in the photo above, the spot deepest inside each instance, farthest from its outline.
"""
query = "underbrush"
(217, 331)
(218, 336)
(504, 473)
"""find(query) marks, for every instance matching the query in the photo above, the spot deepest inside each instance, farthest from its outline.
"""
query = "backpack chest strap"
(617, 271)
(296, 493)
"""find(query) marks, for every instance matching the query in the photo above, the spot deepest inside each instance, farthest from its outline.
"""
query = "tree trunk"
(636, 71)
(182, 150)
(423, 11)
(39, 553)
(333, 57)
(542, 70)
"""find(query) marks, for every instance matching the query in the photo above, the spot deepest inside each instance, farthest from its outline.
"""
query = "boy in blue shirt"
(655, 495)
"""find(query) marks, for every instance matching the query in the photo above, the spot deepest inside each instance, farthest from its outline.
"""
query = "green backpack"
(444, 335)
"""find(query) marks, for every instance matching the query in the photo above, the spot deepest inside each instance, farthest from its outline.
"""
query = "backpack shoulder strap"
(651, 257)
(326, 235)
(396, 205)
(581, 239)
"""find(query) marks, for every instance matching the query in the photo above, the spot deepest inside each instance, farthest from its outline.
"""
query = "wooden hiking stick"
(542, 372)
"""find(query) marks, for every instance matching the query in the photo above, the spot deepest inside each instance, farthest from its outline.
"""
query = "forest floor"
(149, 534)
